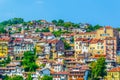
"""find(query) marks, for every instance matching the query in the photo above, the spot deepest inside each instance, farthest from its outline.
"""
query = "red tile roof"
(54, 41)
(81, 39)
(110, 38)
(63, 73)
(107, 27)
(5, 39)
(47, 33)
(116, 69)
(87, 33)
(98, 55)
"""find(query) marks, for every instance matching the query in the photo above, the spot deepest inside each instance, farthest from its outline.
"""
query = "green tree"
(57, 33)
(67, 24)
(42, 65)
(19, 29)
(97, 27)
(54, 22)
(37, 30)
(90, 28)
(29, 61)
(66, 45)
(98, 69)
(16, 77)
(29, 77)
(17, 20)
(75, 25)
(8, 59)
(2, 30)
(45, 30)
(72, 40)
(60, 22)
(47, 78)
(6, 77)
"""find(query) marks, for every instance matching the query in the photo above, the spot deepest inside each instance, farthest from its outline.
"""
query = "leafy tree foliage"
(59, 33)
(2, 30)
(98, 69)
(13, 78)
(6, 61)
(45, 30)
(61, 22)
(47, 78)
(29, 77)
(54, 22)
(67, 24)
(72, 40)
(118, 29)
(42, 65)
(66, 45)
(93, 28)
(37, 30)
(12, 21)
(29, 61)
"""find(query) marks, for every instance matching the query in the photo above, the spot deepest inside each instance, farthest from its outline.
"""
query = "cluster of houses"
(61, 64)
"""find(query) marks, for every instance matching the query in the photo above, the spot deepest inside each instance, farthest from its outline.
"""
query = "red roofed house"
(47, 35)
(60, 75)
(113, 74)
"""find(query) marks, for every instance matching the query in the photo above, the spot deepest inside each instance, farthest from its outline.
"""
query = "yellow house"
(101, 33)
(4, 46)
(96, 46)
(96, 41)
(118, 59)
(3, 49)
(104, 32)
(38, 48)
(113, 74)
(85, 35)
(51, 28)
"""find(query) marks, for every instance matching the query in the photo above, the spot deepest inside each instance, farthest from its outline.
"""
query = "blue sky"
(103, 12)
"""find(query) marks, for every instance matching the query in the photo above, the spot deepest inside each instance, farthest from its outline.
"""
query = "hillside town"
(50, 50)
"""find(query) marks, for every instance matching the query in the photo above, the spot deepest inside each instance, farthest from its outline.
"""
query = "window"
(102, 47)
(98, 52)
(76, 47)
(98, 47)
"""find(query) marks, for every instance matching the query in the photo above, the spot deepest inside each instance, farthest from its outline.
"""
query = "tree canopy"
(47, 78)
(29, 77)
(29, 61)
(61, 22)
(16, 77)
(98, 69)
(93, 28)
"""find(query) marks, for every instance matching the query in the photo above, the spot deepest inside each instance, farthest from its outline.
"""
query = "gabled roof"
(110, 38)
(5, 39)
(53, 41)
(63, 73)
(47, 33)
(116, 69)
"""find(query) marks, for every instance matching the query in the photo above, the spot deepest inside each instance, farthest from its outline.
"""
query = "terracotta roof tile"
(116, 69)
(64, 73)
